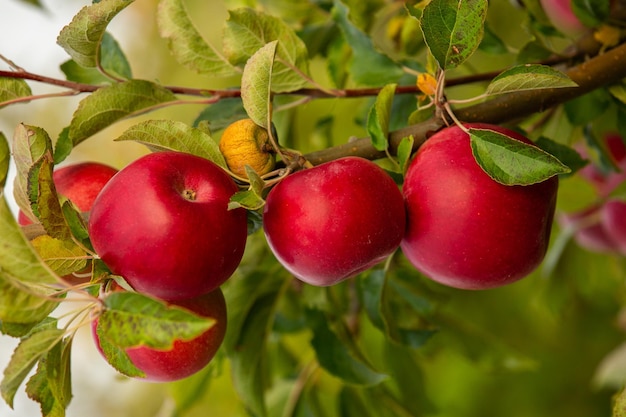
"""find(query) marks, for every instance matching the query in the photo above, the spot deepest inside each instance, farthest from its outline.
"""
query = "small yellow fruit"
(246, 143)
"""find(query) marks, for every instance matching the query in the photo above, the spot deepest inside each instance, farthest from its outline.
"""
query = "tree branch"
(600, 71)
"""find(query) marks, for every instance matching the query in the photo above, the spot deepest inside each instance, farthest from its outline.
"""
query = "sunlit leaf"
(12, 88)
(24, 358)
(247, 199)
(248, 30)
(512, 162)
(110, 104)
(62, 256)
(256, 84)
(29, 145)
(113, 61)
(453, 29)
(81, 38)
(404, 152)
(186, 44)
(45, 201)
(368, 66)
(378, 117)
(529, 77)
(176, 136)
(50, 386)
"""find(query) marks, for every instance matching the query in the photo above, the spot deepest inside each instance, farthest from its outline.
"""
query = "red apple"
(466, 230)
(561, 14)
(163, 224)
(588, 230)
(613, 217)
(185, 357)
(80, 183)
(330, 222)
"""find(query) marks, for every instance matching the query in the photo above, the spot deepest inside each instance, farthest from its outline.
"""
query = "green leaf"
(255, 293)
(405, 148)
(63, 146)
(186, 44)
(585, 109)
(529, 77)
(5, 159)
(453, 29)
(23, 303)
(252, 198)
(512, 162)
(51, 385)
(30, 144)
(389, 306)
(82, 37)
(568, 156)
(368, 66)
(117, 356)
(177, 136)
(12, 88)
(114, 62)
(110, 104)
(221, 114)
(491, 43)
(256, 84)
(24, 358)
(133, 319)
(247, 199)
(45, 201)
(248, 30)
(63, 257)
(337, 354)
(378, 117)
(34, 190)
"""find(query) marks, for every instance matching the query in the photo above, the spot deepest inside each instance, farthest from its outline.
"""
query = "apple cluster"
(601, 227)
(164, 224)
(452, 221)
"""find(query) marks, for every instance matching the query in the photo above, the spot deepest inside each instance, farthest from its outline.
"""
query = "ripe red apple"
(613, 217)
(185, 357)
(80, 183)
(606, 182)
(163, 224)
(464, 229)
(332, 221)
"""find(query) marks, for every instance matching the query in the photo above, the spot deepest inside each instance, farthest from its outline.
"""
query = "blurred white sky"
(28, 38)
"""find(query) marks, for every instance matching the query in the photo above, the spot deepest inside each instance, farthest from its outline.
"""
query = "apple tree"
(342, 208)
